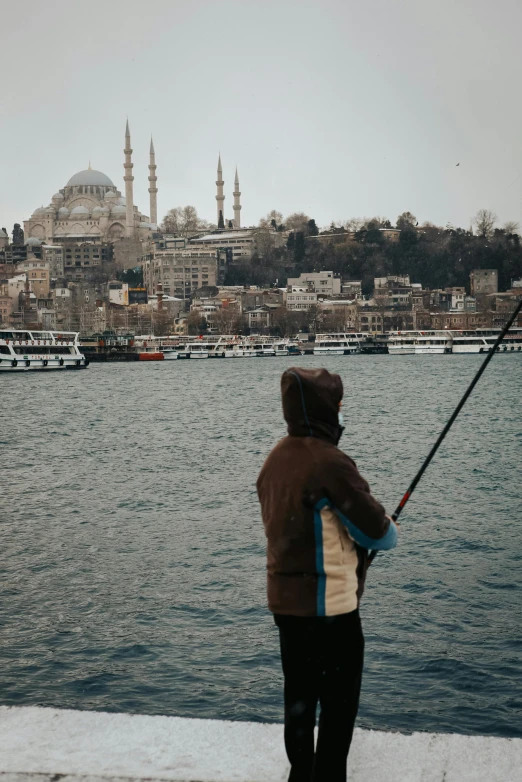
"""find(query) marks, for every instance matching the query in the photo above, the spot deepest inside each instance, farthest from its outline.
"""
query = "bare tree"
(297, 221)
(226, 320)
(196, 323)
(511, 227)
(183, 221)
(484, 222)
(273, 219)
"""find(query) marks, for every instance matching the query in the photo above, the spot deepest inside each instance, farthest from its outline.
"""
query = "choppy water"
(132, 555)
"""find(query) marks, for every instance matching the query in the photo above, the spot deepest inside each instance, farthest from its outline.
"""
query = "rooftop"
(90, 177)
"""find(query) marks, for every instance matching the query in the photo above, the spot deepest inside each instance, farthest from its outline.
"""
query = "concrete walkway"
(51, 745)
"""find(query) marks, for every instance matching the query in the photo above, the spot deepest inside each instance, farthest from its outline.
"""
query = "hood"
(311, 403)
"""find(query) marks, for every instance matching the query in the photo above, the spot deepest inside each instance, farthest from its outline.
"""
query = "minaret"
(129, 201)
(153, 190)
(237, 203)
(220, 198)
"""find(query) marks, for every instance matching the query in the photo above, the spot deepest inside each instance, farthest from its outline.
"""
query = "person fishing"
(320, 522)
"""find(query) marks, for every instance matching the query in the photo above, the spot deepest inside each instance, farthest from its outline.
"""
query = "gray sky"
(338, 109)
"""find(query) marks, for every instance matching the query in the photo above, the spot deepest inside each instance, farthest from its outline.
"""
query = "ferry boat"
(22, 350)
(263, 349)
(337, 344)
(433, 342)
(402, 343)
(482, 341)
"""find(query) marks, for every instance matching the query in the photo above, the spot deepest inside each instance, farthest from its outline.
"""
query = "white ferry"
(22, 350)
(438, 342)
(482, 341)
(264, 349)
(337, 344)
(402, 343)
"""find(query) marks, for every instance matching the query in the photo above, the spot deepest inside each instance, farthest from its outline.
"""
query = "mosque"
(91, 208)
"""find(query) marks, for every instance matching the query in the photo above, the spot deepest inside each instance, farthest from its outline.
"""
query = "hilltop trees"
(183, 221)
(484, 221)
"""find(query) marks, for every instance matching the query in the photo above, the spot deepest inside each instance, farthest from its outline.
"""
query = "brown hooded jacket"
(319, 516)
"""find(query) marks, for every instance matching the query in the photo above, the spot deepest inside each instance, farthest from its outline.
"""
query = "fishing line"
(411, 488)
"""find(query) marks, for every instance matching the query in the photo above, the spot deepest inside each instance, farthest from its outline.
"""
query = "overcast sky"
(336, 108)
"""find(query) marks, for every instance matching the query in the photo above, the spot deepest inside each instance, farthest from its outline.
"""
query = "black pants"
(322, 661)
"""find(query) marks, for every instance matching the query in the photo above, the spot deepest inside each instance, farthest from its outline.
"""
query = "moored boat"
(23, 350)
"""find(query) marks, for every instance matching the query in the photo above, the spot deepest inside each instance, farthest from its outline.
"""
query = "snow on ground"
(46, 742)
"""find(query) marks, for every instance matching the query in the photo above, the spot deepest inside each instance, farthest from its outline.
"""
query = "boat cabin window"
(4, 349)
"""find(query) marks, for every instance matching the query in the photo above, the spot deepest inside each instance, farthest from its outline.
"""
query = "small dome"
(38, 212)
(96, 211)
(104, 210)
(89, 177)
(63, 212)
(118, 210)
(122, 201)
(57, 197)
(80, 211)
(110, 195)
(33, 241)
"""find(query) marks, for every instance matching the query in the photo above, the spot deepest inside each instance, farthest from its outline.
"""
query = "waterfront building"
(91, 208)
(301, 300)
(324, 283)
(260, 319)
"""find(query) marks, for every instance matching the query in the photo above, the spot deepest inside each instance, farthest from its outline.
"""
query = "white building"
(323, 283)
(301, 300)
(241, 243)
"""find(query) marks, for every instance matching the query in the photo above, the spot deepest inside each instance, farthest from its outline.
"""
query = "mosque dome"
(57, 197)
(39, 212)
(104, 210)
(80, 211)
(63, 212)
(96, 212)
(33, 241)
(110, 195)
(118, 210)
(122, 201)
(90, 177)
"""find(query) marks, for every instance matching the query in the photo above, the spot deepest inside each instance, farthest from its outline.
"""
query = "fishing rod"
(411, 488)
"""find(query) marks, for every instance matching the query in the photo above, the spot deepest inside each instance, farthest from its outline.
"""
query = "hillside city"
(91, 262)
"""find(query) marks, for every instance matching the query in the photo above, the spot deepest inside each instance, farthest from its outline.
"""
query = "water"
(132, 565)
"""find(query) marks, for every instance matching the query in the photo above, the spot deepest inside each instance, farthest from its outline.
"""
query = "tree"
(273, 219)
(406, 221)
(511, 227)
(196, 323)
(355, 224)
(484, 222)
(183, 221)
(226, 320)
(311, 228)
(297, 221)
(299, 247)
